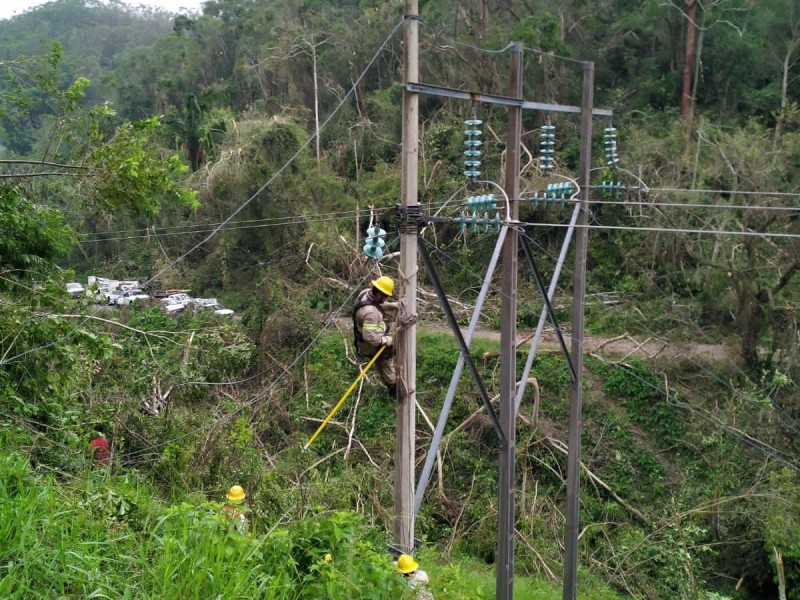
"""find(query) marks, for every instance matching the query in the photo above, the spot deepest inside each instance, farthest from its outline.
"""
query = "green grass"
(102, 536)
(464, 579)
(109, 537)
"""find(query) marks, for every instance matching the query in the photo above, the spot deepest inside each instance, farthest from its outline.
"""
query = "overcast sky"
(9, 8)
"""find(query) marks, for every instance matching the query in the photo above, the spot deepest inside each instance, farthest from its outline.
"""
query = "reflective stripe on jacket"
(368, 324)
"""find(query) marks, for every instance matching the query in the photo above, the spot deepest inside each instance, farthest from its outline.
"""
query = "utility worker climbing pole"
(371, 330)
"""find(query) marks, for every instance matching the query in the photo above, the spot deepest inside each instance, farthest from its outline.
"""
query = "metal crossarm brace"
(540, 284)
(543, 315)
(451, 319)
(453, 387)
(438, 90)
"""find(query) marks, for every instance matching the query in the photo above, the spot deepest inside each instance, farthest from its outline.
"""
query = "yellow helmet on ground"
(236, 493)
(384, 284)
(406, 564)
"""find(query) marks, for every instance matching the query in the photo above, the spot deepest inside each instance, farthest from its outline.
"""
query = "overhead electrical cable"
(291, 160)
(668, 230)
(657, 204)
(256, 397)
(477, 48)
(246, 224)
(754, 442)
(505, 48)
(280, 171)
(283, 223)
(788, 421)
(727, 192)
(310, 216)
(791, 424)
(655, 334)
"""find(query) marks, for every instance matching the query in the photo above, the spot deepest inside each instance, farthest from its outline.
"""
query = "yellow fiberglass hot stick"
(343, 398)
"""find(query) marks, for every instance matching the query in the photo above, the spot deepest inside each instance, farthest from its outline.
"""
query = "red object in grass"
(100, 451)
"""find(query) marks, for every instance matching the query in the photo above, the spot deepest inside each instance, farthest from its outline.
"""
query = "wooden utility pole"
(508, 335)
(406, 345)
(578, 296)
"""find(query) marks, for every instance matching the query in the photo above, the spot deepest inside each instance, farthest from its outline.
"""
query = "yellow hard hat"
(236, 493)
(384, 284)
(406, 564)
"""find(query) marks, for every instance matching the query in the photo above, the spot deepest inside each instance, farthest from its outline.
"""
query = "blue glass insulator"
(372, 250)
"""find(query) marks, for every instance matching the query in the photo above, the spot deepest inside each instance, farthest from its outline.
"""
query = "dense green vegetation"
(242, 152)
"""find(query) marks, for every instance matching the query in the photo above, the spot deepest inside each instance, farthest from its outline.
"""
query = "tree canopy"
(243, 151)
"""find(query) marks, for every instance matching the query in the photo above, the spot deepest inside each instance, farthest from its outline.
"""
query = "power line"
(188, 229)
(472, 47)
(645, 204)
(668, 230)
(241, 207)
(264, 392)
(309, 216)
(505, 48)
(291, 160)
(554, 55)
(281, 223)
(344, 215)
(754, 442)
(727, 192)
(748, 439)
(792, 427)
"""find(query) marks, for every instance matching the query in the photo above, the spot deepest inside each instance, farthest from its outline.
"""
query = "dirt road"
(617, 348)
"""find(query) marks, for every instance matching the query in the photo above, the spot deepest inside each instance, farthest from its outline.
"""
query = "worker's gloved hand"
(387, 341)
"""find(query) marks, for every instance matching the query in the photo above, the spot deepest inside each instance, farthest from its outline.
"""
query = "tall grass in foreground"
(109, 538)
(97, 536)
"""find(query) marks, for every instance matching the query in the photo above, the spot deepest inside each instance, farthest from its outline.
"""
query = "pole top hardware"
(411, 213)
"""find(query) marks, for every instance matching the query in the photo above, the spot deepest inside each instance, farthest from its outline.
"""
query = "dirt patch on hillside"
(618, 348)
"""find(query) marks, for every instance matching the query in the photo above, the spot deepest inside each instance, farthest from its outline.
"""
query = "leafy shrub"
(639, 389)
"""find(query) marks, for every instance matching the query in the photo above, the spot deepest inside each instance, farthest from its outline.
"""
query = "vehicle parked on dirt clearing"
(175, 303)
(126, 298)
(213, 305)
(218, 309)
(75, 289)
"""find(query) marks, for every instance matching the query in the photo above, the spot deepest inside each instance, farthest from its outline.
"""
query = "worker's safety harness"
(358, 338)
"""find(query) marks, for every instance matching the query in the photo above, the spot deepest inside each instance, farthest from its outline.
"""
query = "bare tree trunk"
(316, 99)
(358, 203)
(224, 261)
(697, 66)
(781, 576)
(787, 66)
(687, 101)
(308, 46)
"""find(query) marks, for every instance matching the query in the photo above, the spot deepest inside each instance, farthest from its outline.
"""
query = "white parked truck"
(175, 303)
(127, 297)
(213, 305)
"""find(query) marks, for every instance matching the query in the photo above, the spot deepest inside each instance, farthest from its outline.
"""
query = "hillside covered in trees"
(241, 153)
